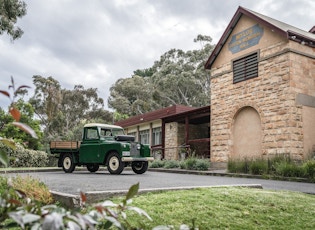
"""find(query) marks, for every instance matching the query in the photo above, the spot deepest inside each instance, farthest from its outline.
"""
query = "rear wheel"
(114, 163)
(92, 167)
(139, 167)
(68, 165)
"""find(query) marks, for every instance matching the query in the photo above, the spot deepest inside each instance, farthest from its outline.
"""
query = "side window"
(91, 133)
(245, 68)
(106, 133)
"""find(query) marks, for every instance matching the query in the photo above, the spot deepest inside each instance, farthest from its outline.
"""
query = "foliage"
(18, 156)
(157, 164)
(309, 168)
(32, 215)
(238, 166)
(132, 96)
(258, 167)
(15, 113)
(280, 165)
(193, 163)
(63, 112)
(177, 78)
(10, 11)
(33, 188)
(11, 131)
(171, 164)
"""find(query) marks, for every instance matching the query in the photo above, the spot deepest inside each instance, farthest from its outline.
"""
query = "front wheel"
(114, 163)
(139, 167)
(92, 167)
(68, 165)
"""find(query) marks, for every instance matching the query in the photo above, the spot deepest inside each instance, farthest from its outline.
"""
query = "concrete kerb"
(73, 201)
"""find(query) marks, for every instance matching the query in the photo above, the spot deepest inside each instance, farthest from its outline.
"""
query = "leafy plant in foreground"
(16, 115)
(31, 215)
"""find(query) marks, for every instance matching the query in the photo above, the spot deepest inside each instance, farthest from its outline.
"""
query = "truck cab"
(103, 144)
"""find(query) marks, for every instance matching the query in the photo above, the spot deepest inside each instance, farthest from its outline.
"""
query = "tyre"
(114, 163)
(92, 167)
(68, 165)
(139, 167)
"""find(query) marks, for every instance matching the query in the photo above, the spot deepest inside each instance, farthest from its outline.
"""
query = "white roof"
(103, 126)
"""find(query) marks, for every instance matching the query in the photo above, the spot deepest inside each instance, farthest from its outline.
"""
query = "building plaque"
(246, 38)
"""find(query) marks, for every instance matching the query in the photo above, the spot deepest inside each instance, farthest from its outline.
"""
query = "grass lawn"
(227, 208)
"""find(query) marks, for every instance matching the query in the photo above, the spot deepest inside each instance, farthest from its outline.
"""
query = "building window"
(156, 136)
(144, 136)
(245, 68)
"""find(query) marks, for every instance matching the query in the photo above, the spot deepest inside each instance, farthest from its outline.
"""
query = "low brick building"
(173, 130)
(262, 90)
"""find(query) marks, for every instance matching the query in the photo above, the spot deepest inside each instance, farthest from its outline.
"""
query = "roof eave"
(240, 11)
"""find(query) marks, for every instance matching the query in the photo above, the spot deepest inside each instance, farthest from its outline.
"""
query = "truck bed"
(64, 146)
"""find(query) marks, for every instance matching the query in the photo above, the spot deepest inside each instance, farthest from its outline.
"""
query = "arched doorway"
(247, 134)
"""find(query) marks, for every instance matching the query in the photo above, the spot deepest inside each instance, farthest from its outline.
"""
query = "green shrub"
(190, 163)
(193, 163)
(238, 166)
(289, 169)
(171, 164)
(309, 168)
(258, 167)
(21, 157)
(157, 164)
(202, 164)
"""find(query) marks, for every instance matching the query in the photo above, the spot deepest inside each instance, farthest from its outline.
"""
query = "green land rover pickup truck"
(102, 145)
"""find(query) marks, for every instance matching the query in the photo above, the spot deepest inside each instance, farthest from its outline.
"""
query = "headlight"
(138, 146)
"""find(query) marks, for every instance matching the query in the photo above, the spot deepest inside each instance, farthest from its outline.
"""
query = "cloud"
(94, 43)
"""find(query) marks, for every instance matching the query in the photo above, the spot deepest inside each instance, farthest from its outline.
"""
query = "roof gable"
(283, 29)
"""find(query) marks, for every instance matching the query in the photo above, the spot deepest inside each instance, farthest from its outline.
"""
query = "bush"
(193, 163)
(33, 189)
(258, 167)
(309, 168)
(170, 164)
(289, 169)
(157, 164)
(238, 166)
(21, 157)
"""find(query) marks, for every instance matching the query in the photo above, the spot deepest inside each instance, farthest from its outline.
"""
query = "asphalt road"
(73, 183)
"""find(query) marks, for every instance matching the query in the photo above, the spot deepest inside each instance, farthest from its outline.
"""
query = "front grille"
(133, 150)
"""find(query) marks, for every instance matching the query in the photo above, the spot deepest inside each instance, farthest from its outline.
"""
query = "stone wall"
(270, 94)
(171, 141)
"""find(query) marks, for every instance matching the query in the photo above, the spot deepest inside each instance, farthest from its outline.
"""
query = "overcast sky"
(96, 42)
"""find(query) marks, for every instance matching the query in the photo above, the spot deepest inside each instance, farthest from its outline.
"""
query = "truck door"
(90, 146)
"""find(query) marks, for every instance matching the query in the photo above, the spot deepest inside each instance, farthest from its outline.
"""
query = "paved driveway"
(85, 181)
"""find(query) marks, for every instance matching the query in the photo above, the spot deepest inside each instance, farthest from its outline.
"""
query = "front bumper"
(132, 159)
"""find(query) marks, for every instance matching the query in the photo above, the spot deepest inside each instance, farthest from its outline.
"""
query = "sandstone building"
(262, 90)
(262, 98)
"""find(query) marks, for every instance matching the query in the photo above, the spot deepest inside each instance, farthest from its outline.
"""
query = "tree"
(62, 111)
(79, 104)
(10, 11)
(46, 102)
(179, 77)
(131, 96)
(13, 132)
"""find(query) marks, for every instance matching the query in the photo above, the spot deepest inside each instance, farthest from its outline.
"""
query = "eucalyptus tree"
(78, 105)
(180, 77)
(62, 110)
(10, 11)
(132, 96)
(46, 102)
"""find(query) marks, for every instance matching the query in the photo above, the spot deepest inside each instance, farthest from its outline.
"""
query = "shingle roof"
(286, 30)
